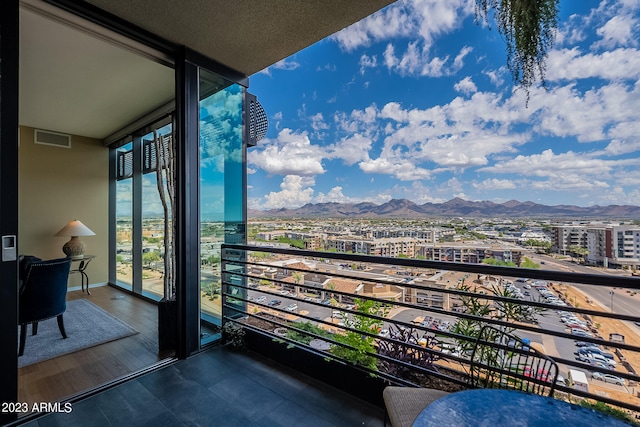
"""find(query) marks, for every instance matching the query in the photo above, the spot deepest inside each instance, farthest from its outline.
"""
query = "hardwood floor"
(67, 375)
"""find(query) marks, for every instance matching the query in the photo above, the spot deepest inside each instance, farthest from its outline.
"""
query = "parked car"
(580, 333)
(577, 326)
(384, 333)
(541, 374)
(291, 307)
(275, 302)
(608, 378)
(261, 299)
(592, 357)
(584, 350)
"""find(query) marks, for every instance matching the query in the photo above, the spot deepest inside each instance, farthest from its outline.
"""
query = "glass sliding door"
(124, 215)
(140, 218)
(221, 188)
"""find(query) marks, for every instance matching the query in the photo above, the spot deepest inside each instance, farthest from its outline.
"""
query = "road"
(622, 301)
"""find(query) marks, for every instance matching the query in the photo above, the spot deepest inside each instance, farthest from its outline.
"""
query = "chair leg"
(34, 328)
(23, 338)
(61, 326)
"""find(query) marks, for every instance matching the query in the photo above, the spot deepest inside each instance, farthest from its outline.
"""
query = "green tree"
(483, 308)
(494, 261)
(361, 347)
(528, 263)
(149, 257)
(579, 252)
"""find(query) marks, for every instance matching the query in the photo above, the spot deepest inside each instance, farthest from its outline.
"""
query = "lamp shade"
(75, 248)
(75, 228)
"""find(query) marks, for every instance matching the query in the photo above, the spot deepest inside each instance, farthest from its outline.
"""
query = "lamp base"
(74, 248)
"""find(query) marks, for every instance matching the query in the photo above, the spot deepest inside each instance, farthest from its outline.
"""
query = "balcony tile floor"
(219, 388)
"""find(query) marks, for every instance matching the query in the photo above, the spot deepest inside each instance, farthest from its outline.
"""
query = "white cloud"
(421, 22)
(495, 76)
(401, 168)
(418, 62)
(571, 64)
(286, 64)
(495, 184)
(610, 111)
(367, 61)
(618, 31)
(351, 149)
(295, 192)
(290, 154)
(387, 23)
(318, 123)
(276, 120)
(568, 171)
(466, 86)
(333, 196)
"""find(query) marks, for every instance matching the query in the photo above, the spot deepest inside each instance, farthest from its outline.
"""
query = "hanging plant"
(528, 28)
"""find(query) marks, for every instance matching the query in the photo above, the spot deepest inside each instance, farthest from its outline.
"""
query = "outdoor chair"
(43, 295)
(404, 404)
(502, 360)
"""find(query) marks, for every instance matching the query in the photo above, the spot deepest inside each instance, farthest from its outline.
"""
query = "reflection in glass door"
(124, 215)
(221, 191)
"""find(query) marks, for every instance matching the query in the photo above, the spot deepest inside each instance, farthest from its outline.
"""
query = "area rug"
(86, 324)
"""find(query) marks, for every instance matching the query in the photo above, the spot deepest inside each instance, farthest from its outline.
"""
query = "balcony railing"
(413, 322)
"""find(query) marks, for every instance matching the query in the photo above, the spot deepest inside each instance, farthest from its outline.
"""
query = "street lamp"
(611, 293)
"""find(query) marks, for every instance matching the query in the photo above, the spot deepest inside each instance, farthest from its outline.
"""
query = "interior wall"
(57, 185)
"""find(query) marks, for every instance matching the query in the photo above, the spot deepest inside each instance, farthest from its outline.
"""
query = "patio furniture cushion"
(404, 404)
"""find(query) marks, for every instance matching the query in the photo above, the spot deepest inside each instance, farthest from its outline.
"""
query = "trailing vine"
(529, 29)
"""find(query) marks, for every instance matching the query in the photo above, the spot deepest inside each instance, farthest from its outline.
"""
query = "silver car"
(608, 378)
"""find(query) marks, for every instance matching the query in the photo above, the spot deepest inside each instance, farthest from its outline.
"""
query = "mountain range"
(403, 208)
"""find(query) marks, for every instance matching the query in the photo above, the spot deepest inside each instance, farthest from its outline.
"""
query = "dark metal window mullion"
(136, 219)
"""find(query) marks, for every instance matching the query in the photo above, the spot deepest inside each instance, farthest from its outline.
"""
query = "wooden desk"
(498, 407)
(81, 267)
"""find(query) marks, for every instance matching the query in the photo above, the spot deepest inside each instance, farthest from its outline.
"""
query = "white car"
(607, 378)
(383, 333)
(261, 299)
(291, 307)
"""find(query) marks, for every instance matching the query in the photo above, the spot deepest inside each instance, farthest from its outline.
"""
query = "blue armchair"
(43, 294)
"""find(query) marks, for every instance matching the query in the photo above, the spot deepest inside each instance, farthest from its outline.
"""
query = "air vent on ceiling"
(46, 137)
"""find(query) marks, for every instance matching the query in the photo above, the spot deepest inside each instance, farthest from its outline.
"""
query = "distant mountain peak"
(404, 208)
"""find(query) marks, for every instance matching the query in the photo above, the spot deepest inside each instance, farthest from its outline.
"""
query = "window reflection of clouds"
(220, 148)
(221, 128)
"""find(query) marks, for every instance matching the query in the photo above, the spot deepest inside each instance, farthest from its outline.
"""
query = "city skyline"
(415, 102)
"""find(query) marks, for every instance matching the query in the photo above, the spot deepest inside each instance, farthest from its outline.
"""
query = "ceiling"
(79, 79)
(246, 35)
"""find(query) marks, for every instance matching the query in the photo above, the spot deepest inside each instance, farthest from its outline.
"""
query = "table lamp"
(75, 247)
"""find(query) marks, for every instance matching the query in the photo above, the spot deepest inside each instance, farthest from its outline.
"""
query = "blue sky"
(416, 102)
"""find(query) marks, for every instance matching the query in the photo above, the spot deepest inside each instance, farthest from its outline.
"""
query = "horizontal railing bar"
(558, 276)
(240, 268)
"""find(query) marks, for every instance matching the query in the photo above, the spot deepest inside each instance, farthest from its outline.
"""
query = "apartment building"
(611, 245)
(565, 236)
(599, 246)
(388, 247)
(625, 246)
